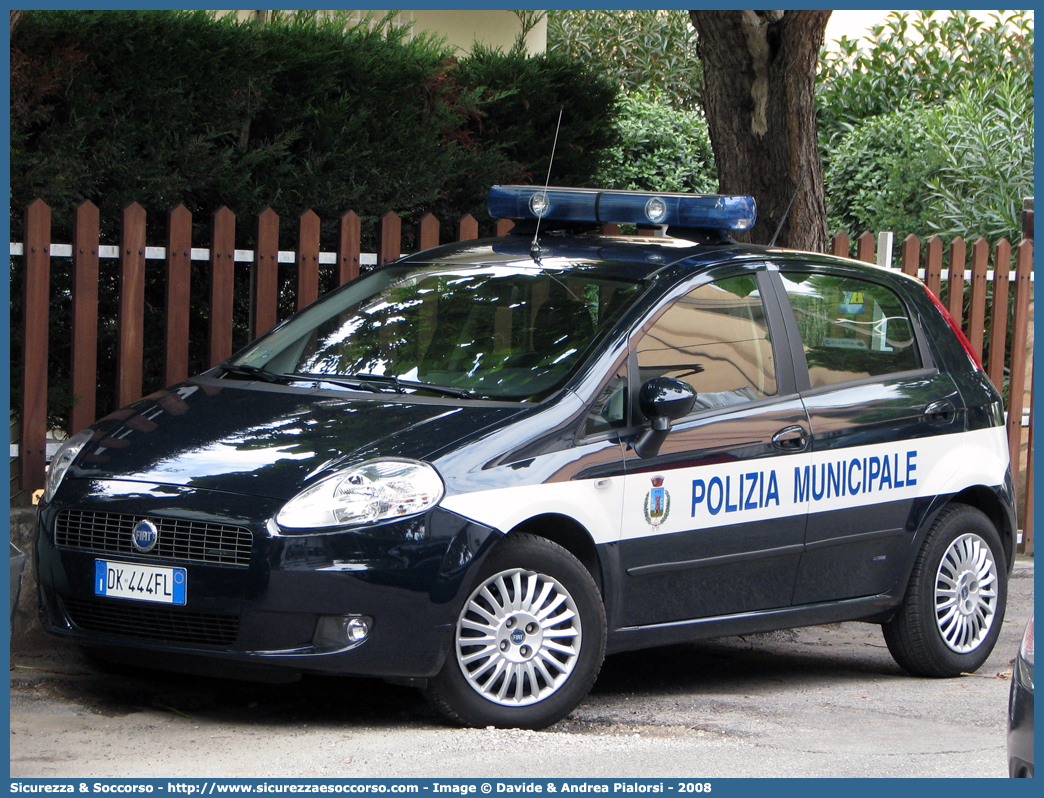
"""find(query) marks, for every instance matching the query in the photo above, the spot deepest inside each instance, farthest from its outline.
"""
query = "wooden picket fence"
(994, 289)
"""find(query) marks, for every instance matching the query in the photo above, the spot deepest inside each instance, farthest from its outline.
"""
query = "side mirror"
(662, 400)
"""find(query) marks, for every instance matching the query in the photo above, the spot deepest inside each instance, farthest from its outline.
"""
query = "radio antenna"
(534, 248)
(786, 213)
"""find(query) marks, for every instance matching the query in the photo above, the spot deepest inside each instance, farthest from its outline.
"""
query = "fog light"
(341, 632)
(357, 629)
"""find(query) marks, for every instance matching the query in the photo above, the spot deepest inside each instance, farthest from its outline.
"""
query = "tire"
(954, 606)
(528, 643)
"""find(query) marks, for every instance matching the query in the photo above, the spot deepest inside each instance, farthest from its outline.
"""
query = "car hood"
(268, 440)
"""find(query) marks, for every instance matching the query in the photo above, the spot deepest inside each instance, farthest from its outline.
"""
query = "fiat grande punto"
(482, 468)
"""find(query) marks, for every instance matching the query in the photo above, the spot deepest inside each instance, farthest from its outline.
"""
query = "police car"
(485, 466)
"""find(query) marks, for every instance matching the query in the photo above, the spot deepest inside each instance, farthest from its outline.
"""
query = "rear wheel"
(529, 641)
(954, 605)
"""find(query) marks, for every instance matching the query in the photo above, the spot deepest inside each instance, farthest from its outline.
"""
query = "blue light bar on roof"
(715, 211)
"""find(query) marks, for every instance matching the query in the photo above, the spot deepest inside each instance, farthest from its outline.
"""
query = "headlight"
(62, 460)
(374, 491)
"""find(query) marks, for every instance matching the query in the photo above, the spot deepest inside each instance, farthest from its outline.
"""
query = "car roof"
(625, 257)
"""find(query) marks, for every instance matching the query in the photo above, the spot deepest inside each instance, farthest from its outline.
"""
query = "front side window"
(490, 332)
(715, 338)
(851, 329)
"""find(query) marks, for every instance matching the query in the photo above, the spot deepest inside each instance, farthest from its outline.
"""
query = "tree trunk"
(759, 71)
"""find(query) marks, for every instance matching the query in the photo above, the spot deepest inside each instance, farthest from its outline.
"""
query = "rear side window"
(851, 329)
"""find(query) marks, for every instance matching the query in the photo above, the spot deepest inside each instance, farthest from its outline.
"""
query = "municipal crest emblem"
(657, 503)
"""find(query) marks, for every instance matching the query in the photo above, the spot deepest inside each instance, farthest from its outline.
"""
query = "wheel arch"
(571, 536)
(990, 504)
(994, 503)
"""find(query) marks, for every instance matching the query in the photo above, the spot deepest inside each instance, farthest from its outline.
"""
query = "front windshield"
(486, 331)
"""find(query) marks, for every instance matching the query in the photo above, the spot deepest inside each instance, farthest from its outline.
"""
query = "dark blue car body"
(789, 503)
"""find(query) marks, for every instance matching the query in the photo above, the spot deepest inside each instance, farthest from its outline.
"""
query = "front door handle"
(791, 439)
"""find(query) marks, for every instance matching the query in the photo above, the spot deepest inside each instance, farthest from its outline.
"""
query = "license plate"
(139, 582)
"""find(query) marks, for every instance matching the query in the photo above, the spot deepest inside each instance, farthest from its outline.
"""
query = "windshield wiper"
(334, 379)
(254, 372)
(401, 386)
(371, 383)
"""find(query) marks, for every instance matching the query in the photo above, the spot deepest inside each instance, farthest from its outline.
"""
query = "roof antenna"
(786, 213)
(534, 248)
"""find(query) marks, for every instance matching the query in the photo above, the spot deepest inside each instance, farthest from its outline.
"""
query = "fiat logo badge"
(145, 536)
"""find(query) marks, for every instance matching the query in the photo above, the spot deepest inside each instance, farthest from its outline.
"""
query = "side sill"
(875, 609)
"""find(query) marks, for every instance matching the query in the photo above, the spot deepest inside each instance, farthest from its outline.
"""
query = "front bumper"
(265, 609)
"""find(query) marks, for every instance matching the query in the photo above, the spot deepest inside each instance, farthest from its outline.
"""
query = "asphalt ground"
(825, 701)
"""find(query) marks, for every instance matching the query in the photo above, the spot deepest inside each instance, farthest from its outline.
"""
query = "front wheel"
(528, 643)
(954, 605)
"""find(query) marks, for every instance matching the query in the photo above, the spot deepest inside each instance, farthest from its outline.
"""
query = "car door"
(880, 412)
(710, 524)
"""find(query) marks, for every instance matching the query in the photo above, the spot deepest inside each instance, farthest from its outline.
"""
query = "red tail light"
(956, 329)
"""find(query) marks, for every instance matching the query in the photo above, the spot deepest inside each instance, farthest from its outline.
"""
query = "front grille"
(179, 539)
(141, 621)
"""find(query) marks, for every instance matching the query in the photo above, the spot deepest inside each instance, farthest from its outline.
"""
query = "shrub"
(520, 124)
(877, 176)
(930, 130)
(660, 149)
(164, 108)
(642, 51)
(900, 69)
(985, 135)
(168, 107)
(961, 168)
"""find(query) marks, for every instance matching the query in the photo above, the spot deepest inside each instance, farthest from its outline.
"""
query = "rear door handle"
(791, 439)
(941, 412)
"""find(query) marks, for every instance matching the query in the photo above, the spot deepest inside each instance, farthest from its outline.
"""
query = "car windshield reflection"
(483, 332)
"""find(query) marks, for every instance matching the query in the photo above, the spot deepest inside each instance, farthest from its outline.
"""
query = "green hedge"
(878, 174)
(163, 108)
(960, 168)
(169, 107)
(661, 149)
